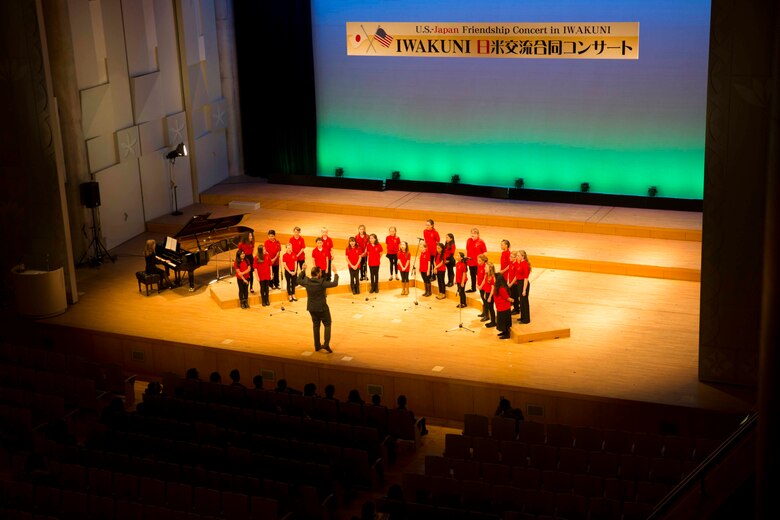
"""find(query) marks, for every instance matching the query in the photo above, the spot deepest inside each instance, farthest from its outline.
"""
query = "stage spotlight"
(179, 151)
(455, 179)
(585, 187)
(339, 172)
(395, 175)
(652, 191)
(519, 183)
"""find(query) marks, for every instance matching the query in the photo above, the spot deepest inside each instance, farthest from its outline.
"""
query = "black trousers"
(450, 272)
(354, 280)
(264, 293)
(374, 274)
(473, 273)
(504, 320)
(440, 280)
(393, 264)
(291, 280)
(462, 294)
(514, 292)
(525, 309)
(275, 276)
(243, 291)
(251, 261)
(405, 276)
(317, 318)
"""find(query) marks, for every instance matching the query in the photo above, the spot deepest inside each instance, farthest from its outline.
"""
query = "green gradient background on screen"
(619, 125)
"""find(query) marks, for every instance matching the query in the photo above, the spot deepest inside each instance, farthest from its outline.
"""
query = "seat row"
(124, 497)
(577, 460)
(498, 499)
(585, 437)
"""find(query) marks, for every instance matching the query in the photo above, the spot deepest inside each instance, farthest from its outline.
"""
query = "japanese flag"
(356, 40)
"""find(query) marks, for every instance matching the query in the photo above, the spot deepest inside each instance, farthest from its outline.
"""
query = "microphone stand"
(282, 308)
(365, 289)
(216, 265)
(414, 277)
(460, 318)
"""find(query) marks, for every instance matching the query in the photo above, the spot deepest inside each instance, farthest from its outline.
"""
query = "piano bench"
(147, 279)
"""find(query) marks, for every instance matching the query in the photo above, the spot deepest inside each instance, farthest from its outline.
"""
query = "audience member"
(235, 377)
(310, 390)
(192, 373)
(505, 409)
(215, 377)
(354, 397)
(281, 386)
(401, 402)
(330, 392)
(258, 382)
(376, 399)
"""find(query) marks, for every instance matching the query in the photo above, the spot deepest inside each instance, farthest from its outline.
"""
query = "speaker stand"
(96, 246)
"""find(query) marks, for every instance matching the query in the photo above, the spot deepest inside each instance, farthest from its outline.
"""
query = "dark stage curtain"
(276, 86)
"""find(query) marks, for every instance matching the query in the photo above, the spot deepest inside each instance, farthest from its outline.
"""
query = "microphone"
(421, 239)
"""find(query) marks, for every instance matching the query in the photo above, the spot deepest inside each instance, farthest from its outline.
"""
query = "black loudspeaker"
(90, 194)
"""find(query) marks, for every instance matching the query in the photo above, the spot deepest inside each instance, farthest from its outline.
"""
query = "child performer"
(481, 268)
(290, 272)
(320, 256)
(392, 242)
(243, 273)
(274, 249)
(299, 247)
(488, 287)
(503, 307)
(439, 269)
(247, 245)
(523, 272)
(505, 258)
(512, 282)
(362, 240)
(461, 278)
(404, 264)
(354, 259)
(431, 238)
(449, 258)
(374, 250)
(475, 247)
(327, 246)
(425, 268)
(263, 267)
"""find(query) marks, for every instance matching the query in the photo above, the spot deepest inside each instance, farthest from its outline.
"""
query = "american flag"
(383, 38)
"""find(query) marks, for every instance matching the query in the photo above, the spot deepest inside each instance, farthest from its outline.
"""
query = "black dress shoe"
(524, 322)
(317, 349)
(484, 319)
(471, 290)
(450, 284)
(327, 349)
(515, 312)
(491, 324)
(503, 336)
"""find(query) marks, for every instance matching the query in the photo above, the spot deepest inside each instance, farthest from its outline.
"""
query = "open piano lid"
(202, 224)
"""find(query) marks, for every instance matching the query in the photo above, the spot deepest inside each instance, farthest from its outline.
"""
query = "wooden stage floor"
(623, 284)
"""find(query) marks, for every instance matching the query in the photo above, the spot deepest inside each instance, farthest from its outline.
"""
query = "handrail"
(746, 426)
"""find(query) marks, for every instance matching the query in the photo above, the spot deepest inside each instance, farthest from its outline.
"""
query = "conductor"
(317, 304)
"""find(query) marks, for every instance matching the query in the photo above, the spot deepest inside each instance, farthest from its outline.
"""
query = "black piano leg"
(191, 280)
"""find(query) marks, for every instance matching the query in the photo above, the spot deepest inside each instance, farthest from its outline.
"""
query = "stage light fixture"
(585, 187)
(652, 191)
(519, 183)
(455, 179)
(339, 172)
(395, 175)
(179, 151)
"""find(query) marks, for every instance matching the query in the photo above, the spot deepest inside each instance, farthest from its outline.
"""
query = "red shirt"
(403, 261)
(362, 241)
(505, 260)
(502, 300)
(511, 274)
(480, 273)
(264, 268)
(392, 242)
(240, 267)
(474, 248)
(489, 282)
(320, 257)
(523, 270)
(439, 263)
(289, 262)
(327, 245)
(247, 247)
(299, 244)
(273, 248)
(425, 261)
(431, 238)
(449, 250)
(353, 256)
(374, 253)
(460, 273)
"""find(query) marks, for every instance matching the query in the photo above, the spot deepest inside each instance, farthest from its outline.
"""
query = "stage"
(614, 305)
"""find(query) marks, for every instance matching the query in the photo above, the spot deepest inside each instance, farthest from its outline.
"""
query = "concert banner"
(577, 40)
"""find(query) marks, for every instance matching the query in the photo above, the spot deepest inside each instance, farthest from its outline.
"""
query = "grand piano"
(200, 239)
